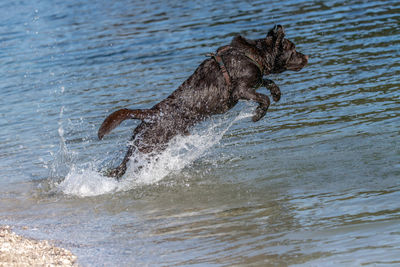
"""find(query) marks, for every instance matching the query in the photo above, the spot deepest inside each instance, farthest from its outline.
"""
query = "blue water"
(314, 183)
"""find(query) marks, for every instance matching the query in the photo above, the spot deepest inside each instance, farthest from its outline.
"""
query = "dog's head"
(283, 52)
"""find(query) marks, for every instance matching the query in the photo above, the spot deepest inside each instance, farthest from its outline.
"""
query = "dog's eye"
(286, 45)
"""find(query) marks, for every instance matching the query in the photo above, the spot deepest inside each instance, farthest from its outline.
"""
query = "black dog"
(234, 72)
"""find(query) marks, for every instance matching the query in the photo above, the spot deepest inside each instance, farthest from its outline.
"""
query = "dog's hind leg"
(121, 169)
(115, 118)
(117, 172)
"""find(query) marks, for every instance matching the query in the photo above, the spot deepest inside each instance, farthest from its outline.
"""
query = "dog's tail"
(115, 118)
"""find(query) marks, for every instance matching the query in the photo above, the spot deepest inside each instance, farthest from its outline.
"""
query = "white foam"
(86, 183)
(180, 153)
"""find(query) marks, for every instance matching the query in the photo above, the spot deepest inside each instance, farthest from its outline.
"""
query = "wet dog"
(233, 73)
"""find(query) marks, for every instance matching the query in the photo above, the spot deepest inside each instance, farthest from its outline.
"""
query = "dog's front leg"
(273, 88)
(261, 99)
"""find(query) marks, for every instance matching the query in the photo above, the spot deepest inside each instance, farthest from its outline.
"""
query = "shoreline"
(16, 250)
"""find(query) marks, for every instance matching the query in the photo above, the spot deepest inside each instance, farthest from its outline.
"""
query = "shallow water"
(316, 182)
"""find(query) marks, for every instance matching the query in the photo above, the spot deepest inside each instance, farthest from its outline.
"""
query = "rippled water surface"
(316, 182)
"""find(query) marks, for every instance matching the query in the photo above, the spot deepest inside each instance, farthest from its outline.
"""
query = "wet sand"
(16, 250)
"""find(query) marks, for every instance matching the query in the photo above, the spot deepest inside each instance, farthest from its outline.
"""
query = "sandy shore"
(19, 251)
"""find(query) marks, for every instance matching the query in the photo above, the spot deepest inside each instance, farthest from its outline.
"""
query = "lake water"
(316, 182)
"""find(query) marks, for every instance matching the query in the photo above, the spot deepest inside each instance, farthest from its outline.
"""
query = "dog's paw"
(273, 88)
(259, 113)
(275, 92)
(276, 95)
(115, 173)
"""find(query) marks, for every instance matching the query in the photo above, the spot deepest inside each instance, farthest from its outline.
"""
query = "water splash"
(180, 153)
(64, 158)
(87, 182)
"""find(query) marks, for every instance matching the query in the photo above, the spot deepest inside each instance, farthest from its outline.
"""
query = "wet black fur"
(206, 92)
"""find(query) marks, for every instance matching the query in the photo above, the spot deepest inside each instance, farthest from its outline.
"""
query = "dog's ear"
(276, 31)
(277, 34)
